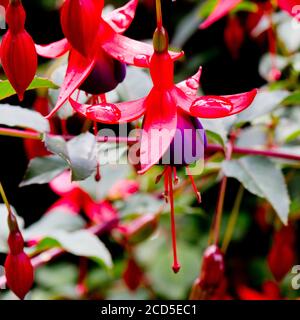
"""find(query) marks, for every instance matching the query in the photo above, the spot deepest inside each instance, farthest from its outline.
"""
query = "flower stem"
(220, 203)
(273, 153)
(159, 21)
(176, 265)
(233, 219)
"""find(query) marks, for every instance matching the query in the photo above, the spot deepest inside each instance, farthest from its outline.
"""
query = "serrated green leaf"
(43, 170)
(80, 243)
(78, 153)
(14, 116)
(57, 219)
(262, 177)
(6, 89)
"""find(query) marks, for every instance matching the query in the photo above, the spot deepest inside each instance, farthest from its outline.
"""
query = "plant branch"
(274, 153)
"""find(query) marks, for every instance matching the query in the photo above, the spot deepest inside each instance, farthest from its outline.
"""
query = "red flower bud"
(133, 275)
(212, 272)
(18, 54)
(18, 267)
(282, 256)
(234, 36)
(80, 22)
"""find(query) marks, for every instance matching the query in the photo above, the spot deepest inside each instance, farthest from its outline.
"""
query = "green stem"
(158, 14)
(233, 219)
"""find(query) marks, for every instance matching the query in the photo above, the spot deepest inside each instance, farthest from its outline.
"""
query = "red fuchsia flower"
(168, 111)
(104, 67)
(211, 283)
(18, 267)
(290, 6)
(133, 275)
(4, 3)
(223, 8)
(270, 291)
(234, 35)
(123, 189)
(74, 199)
(282, 256)
(18, 54)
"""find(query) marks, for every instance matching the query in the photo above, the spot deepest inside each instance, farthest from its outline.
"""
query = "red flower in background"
(74, 199)
(270, 291)
(111, 46)
(282, 255)
(18, 54)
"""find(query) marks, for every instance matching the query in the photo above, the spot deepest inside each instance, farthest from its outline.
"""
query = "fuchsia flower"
(168, 111)
(102, 63)
(223, 7)
(210, 284)
(75, 199)
(18, 54)
(283, 246)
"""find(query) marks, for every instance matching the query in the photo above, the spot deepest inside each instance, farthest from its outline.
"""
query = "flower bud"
(19, 273)
(18, 267)
(213, 267)
(123, 189)
(80, 23)
(18, 54)
(282, 256)
(133, 275)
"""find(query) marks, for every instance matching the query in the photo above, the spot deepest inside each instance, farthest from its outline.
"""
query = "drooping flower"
(210, 284)
(234, 35)
(282, 257)
(104, 65)
(74, 199)
(168, 111)
(133, 274)
(18, 267)
(18, 54)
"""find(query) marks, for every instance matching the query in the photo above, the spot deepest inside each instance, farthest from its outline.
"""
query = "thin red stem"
(198, 194)
(159, 21)
(209, 148)
(176, 265)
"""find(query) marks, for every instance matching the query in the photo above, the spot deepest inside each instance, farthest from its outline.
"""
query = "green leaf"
(264, 103)
(4, 231)
(262, 177)
(292, 99)
(80, 243)
(140, 204)
(79, 153)
(54, 220)
(43, 170)
(110, 174)
(14, 116)
(6, 89)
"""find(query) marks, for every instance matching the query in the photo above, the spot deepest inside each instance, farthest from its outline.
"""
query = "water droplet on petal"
(211, 106)
(121, 19)
(141, 60)
(192, 83)
(108, 112)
